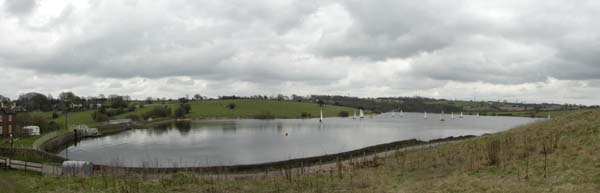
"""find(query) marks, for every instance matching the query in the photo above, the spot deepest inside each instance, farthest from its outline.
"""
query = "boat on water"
(442, 116)
(425, 116)
(362, 114)
(461, 115)
(354, 116)
(321, 119)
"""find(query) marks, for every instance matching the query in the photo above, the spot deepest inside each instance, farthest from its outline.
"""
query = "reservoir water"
(249, 141)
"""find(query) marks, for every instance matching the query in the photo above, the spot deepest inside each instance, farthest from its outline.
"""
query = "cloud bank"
(537, 51)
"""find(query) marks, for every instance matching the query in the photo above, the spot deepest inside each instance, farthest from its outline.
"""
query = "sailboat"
(362, 115)
(452, 116)
(321, 119)
(425, 115)
(393, 113)
(442, 116)
(354, 117)
(549, 116)
(477, 115)
(401, 113)
(461, 115)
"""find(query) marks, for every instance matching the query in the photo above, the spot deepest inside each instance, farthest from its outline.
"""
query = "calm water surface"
(247, 141)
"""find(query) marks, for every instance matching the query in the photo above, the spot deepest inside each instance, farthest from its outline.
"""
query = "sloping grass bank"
(559, 155)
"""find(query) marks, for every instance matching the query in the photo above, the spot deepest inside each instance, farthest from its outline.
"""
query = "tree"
(34, 101)
(4, 100)
(183, 100)
(118, 102)
(180, 112)
(187, 107)
(149, 100)
(67, 96)
(198, 97)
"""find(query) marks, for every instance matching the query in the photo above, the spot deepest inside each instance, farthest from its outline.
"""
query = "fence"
(29, 166)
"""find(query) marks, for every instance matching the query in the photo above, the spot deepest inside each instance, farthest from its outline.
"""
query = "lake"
(250, 141)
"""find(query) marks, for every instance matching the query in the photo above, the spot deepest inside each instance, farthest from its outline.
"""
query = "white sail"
(321, 119)
(393, 113)
(477, 115)
(425, 115)
(442, 116)
(461, 114)
(362, 115)
(401, 113)
(354, 117)
(452, 116)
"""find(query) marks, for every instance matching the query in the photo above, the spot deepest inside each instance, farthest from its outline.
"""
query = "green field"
(558, 155)
(248, 108)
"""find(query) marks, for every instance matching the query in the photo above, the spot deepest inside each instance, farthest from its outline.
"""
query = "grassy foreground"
(559, 155)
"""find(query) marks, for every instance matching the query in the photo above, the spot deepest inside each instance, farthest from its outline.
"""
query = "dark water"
(247, 141)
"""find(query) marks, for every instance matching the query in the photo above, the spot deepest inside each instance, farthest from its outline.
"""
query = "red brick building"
(8, 122)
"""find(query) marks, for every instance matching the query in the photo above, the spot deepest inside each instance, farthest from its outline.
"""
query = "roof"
(7, 111)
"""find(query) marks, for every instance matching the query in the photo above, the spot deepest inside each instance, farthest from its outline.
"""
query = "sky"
(514, 50)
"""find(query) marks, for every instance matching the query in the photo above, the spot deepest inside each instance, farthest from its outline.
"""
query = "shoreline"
(54, 145)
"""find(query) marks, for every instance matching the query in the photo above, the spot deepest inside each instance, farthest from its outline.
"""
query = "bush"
(231, 106)
(114, 112)
(54, 115)
(343, 114)
(264, 115)
(52, 126)
(180, 112)
(134, 117)
(187, 107)
(305, 115)
(158, 111)
(131, 108)
(100, 117)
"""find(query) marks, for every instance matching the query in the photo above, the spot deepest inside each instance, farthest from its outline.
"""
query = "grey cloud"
(277, 44)
(20, 7)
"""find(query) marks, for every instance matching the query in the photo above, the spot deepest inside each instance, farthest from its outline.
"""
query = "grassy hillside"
(247, 108)
(559, 155)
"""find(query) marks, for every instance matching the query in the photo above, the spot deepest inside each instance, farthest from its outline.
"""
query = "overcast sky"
(533, 51)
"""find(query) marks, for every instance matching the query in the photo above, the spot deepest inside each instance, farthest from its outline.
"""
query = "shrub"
(134, 117)
(305, 115)
(180, 112)
(52, 126)
(264, 115)
(54, 115)
(343, 114)
(231, 106)
(158, 111)
(131, 108)
(187, 107)
(100, 117)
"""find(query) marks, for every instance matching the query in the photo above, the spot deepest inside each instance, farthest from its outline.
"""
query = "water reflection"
(228, 142)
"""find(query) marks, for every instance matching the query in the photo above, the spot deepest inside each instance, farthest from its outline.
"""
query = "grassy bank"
(248, 108)
(559, 155)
